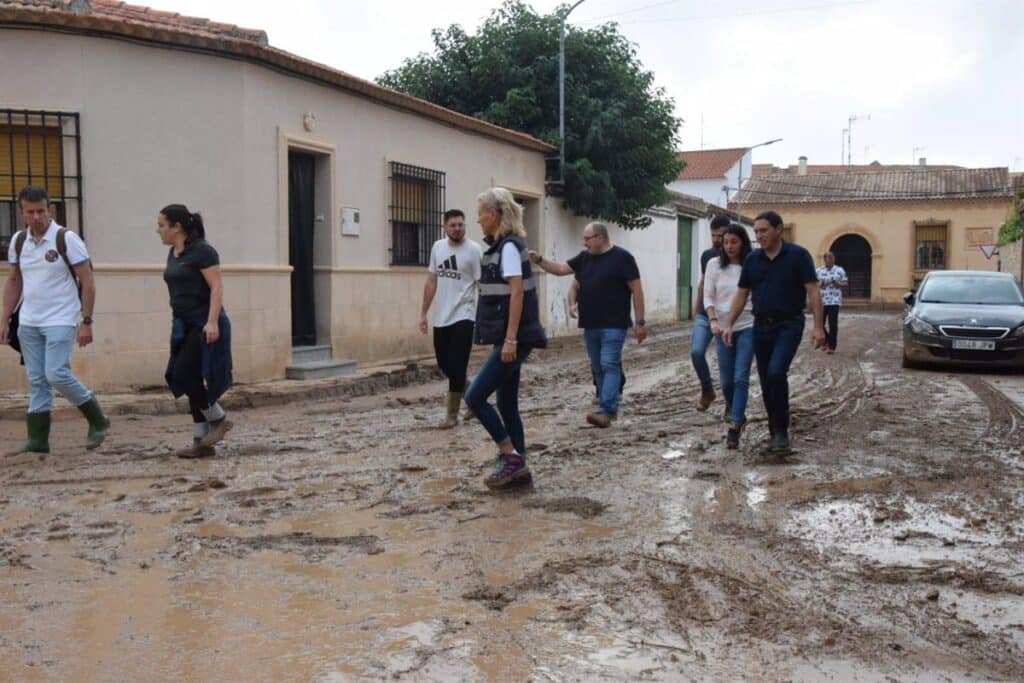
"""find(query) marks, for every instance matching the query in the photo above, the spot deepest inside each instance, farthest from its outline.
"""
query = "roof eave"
(48, 20)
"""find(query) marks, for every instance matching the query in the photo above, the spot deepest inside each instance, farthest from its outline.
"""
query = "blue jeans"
(47, 352)
(503, 378)
(734, 368)
(775, 346)
(699, 343)
(604, 346)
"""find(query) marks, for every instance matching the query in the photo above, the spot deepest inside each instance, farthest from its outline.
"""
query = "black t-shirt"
(706, 256)
(604, 296)
(185, 281)
(777, 284)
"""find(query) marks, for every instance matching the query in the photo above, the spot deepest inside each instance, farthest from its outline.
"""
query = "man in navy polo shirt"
(782, 278)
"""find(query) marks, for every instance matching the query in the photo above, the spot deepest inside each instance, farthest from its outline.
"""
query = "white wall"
(654, 249)
(710, 189)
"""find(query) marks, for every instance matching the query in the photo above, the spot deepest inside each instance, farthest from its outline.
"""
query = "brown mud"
(342, 537)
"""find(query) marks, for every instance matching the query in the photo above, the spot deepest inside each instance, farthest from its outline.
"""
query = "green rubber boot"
(38, 425)
(98, 423)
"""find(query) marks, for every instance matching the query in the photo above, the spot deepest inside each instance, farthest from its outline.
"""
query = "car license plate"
(974, 345)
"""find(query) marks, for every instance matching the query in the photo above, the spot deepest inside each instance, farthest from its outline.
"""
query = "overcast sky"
(943, 76)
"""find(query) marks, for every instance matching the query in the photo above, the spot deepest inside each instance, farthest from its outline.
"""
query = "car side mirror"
(908, 298)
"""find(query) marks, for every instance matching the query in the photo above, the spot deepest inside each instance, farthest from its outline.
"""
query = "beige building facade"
(889, 230)
(152, 109)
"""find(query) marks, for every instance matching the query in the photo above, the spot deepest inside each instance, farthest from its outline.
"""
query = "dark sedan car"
(965, 317)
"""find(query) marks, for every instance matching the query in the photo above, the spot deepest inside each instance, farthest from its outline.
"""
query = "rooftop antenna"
(849, 134)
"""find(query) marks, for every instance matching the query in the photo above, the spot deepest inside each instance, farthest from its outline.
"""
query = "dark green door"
(684, 258)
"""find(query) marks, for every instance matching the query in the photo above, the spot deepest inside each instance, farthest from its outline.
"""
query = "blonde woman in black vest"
(508, 319)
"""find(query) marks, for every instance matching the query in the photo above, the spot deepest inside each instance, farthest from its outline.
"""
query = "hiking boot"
(599, 419)
(452, 417)
(198, 450)
(510, 469)
(98, 423)
(707, 397)
(218, 430)
(779, 444)
(732, 435)
(38, 427)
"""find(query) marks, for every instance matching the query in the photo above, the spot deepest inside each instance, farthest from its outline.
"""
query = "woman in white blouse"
(734, 361)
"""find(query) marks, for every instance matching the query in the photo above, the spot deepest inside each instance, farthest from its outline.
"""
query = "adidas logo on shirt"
(449, 269)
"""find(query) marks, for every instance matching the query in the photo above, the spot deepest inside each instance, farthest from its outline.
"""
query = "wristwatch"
(87, 320)
(641, 322)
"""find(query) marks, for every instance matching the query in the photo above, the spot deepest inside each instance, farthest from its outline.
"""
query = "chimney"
(803, 166)
(922, 161)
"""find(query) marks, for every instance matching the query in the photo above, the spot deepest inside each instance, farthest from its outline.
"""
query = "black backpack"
(62, 249)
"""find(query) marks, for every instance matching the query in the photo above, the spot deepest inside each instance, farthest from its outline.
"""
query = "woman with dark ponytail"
(200, 364)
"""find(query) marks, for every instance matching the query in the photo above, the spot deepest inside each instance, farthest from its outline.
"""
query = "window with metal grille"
(930, 245)
(417, 213)
(39, 148)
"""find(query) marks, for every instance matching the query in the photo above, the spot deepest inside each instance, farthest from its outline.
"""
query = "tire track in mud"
(1005, 418)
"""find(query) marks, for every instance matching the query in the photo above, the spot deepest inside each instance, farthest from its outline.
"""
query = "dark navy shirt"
(777, 285)
(706, 256)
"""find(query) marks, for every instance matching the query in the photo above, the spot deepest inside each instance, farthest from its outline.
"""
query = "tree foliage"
(620, 130)
(1012, 230)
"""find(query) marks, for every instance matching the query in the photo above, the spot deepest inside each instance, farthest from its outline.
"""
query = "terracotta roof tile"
(121, 20)
(709, 163)
(794, 169)
(914, 183)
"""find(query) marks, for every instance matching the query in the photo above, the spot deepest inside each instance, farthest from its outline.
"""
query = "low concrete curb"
(274, 393)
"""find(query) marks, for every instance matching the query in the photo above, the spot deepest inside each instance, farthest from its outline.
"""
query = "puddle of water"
(756, 493)
(990, 613)
(672, 455)
(756, 496)
(927, 535)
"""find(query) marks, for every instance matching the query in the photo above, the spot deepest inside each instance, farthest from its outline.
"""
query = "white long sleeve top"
(719, 289)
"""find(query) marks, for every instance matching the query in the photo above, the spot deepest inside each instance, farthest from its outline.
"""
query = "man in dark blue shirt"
(782, 278)
(609, 280)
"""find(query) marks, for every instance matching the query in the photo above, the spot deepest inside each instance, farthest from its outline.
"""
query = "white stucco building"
(321, 191)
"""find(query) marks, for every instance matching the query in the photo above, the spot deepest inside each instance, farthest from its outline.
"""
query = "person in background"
(454, 272)
(720, 281)
(832, 280)
(609, 279)
(701, 336)
(200, 364)
(48, 265)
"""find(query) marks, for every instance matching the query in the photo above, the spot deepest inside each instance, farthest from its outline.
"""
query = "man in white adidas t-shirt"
(454, 274)
(42, 258)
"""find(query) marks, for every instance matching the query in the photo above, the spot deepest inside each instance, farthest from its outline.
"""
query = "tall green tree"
(620, 131)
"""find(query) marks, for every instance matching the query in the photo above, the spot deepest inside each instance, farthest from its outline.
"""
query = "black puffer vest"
(492, 310)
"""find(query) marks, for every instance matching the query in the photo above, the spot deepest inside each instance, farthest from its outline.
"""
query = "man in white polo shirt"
(49, 319)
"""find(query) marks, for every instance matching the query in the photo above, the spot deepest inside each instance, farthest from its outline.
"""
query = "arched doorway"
(853, 254)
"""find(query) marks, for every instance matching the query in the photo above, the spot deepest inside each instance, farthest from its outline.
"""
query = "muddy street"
(347, 538)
